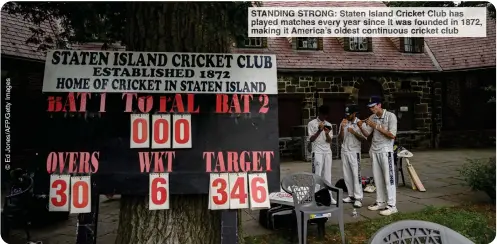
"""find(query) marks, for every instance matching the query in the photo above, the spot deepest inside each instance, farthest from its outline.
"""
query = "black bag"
(364, 182)
(341, 185)
(277, 217)
(283, 217)
(323, 197)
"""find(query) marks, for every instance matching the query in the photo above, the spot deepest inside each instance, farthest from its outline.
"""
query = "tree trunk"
(187, 221)
(173, 27)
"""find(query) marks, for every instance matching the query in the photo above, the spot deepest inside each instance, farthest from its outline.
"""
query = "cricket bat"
(414, 176)
(412, 183)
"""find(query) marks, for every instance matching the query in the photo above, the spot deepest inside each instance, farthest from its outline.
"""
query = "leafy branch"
(77, 22)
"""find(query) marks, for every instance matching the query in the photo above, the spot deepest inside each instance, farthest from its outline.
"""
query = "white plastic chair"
(303, 186)
(417, 231)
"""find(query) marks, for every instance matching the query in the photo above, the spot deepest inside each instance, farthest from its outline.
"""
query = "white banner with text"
(367, 22)
(159, 72)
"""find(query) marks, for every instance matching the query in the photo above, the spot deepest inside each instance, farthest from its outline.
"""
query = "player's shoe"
(370, 188)
(377, 206)
(357, 204)
(348, 200)
(390, 210)
(333, 201)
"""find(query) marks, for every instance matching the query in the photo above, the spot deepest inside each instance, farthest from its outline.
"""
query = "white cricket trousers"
(351, 163)
(384, 177)
(321, 165)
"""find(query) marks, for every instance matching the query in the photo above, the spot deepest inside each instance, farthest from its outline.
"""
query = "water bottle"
(354, 213)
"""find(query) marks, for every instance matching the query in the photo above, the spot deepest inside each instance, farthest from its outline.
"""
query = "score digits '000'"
(162, 126)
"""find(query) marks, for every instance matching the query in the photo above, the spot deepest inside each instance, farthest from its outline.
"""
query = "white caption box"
(59, 193)
(259, 197)
(369, 22)
(140, 131)
(80, 194)
(158, 191)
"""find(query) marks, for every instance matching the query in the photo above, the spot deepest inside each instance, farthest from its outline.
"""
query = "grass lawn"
(477, 222)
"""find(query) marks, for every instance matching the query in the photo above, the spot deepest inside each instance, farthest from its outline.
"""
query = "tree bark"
(177, 27)
(187, 221)
(173, 27)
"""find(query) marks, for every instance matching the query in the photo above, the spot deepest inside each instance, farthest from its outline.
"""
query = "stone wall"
(437, 113)
(469, 116)
(314, 86)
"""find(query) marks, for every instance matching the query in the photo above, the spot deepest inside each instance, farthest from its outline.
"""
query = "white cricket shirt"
(319, 145)
(350, 143)
(380, 142)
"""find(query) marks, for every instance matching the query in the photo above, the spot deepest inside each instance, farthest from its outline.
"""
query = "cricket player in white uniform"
(383, 125)
(351, 137)
(320, 134)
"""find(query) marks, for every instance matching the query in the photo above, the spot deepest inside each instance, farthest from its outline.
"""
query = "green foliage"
(479, 174)
(471, 224)
(79, 22)
(471, 221)
(105, 21)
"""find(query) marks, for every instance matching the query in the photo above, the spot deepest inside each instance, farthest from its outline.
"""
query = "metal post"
(95, 217)
(229, 226)
(86, 229)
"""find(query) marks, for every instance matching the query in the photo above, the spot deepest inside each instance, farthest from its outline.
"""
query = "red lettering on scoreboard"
(178, 103)
(157, 160)
(82, 98)
(162, 122)
(145, 103)
(72, 162)
(73, 103)
(102, 102)
(235, 104)
(240, 103)
(129, 101)
(245, 161)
